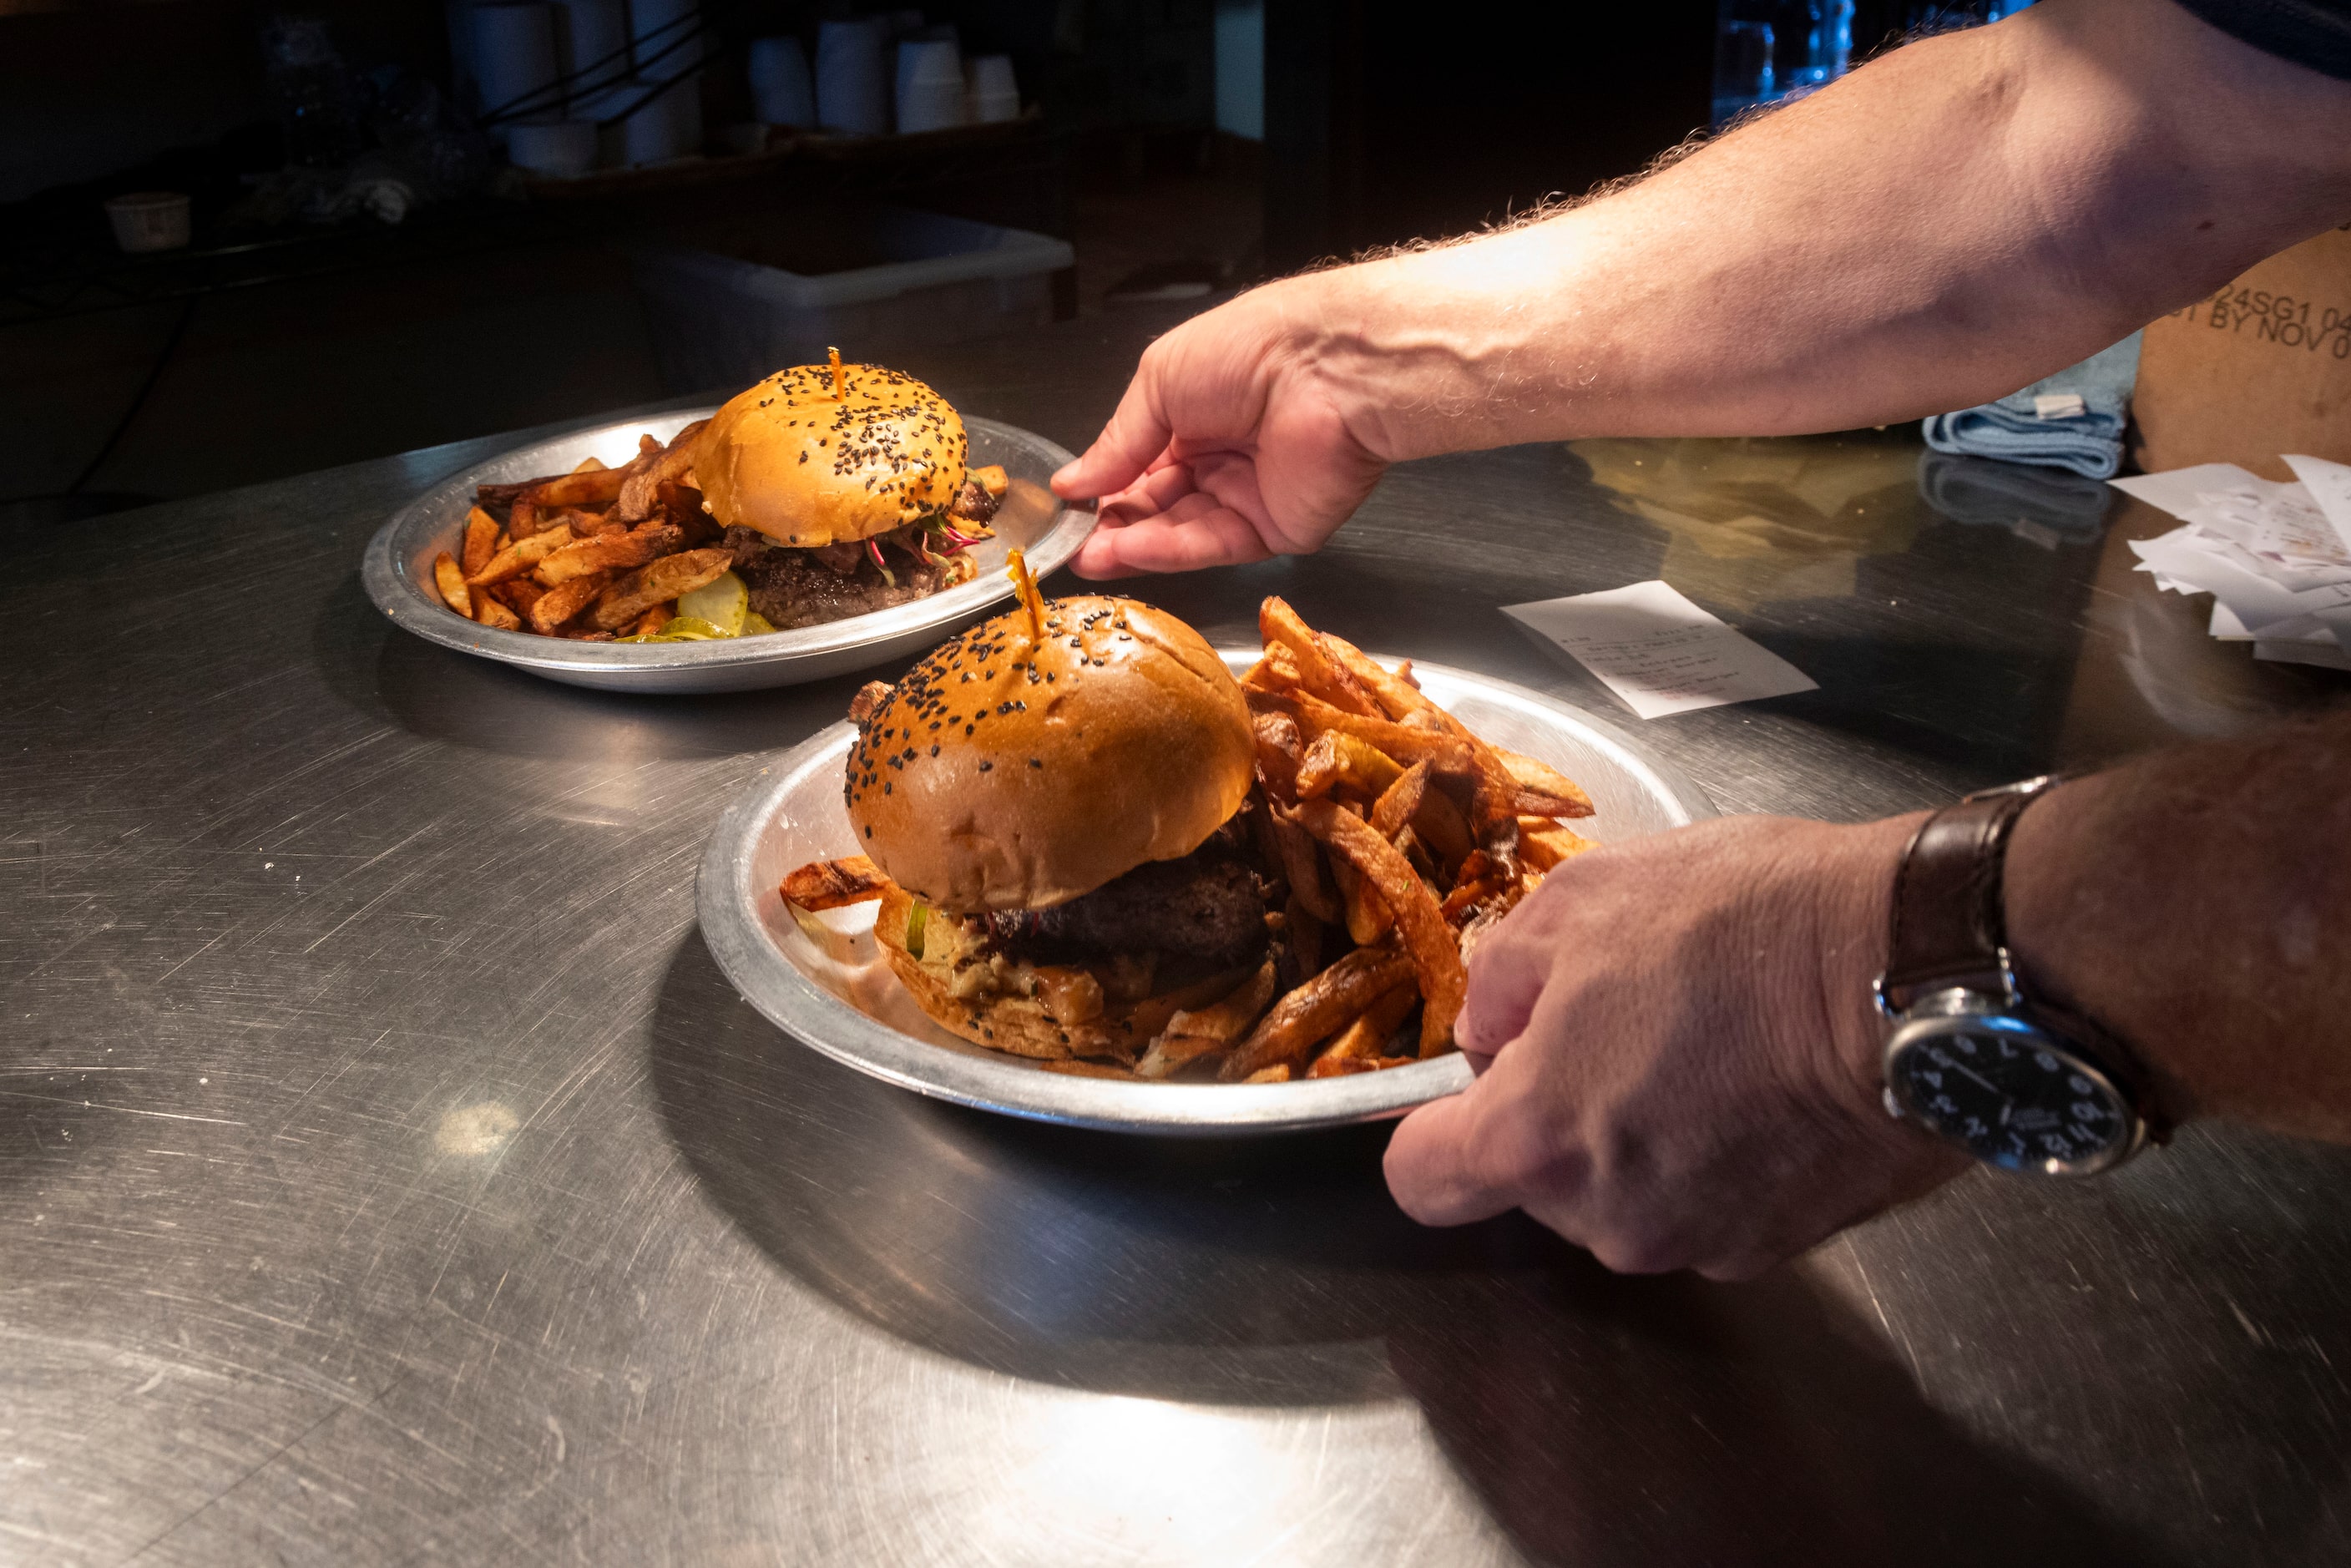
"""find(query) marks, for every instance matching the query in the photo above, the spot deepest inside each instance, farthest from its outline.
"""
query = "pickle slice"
(722, 602)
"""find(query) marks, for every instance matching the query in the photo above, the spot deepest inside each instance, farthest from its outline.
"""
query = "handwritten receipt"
(1660, 652)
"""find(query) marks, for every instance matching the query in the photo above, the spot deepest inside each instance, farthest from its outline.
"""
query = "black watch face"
(2014, 1098)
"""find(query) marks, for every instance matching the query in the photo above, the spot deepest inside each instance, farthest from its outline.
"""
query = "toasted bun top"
(806, 468)
(1004, 775)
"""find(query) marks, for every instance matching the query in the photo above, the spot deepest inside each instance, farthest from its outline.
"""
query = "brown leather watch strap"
(1948, 929)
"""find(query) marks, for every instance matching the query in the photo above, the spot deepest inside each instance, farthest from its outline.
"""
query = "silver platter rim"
(777, 659)
(727, 896)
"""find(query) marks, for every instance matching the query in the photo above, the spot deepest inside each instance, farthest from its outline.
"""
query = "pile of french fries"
(1391, 837)
(591, 554)
(1399, 836)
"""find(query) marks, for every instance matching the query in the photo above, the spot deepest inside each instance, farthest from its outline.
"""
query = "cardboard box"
(2259, 368)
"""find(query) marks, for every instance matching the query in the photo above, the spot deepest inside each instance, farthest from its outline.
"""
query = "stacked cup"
(852, 91)
(782, 92)
(990, 95)
(930, 84)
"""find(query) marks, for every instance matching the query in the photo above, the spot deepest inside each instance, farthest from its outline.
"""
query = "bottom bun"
(1021, 1025)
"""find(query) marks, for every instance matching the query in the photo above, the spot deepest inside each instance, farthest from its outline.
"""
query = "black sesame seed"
(987, 767)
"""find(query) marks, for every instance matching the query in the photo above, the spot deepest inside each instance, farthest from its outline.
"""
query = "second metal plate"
(398, 574)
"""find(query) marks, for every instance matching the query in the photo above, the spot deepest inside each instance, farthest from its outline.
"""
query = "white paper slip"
(1660, 652)
(2329, 484)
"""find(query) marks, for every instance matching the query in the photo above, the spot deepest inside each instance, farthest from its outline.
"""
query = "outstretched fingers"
(1137, 435)
(1197, 531)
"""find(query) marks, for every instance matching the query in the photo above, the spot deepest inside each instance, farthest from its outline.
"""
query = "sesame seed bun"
(806, 468)
(1005, 775)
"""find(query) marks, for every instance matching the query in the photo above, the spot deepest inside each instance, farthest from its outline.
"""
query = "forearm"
(1947, 223)
(2199, 904)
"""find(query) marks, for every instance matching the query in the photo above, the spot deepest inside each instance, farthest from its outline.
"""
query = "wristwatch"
(2016, 1081)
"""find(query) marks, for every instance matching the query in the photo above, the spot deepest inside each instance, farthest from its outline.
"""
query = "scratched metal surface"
(387, 1176)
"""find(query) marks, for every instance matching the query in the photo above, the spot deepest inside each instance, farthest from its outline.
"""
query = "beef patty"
(795, 588)
(1206, 905)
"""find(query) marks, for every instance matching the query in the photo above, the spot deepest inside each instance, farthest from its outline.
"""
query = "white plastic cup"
(655, 26)
(592, 43)
(563, 151)
(782, 91)
(148, 220)
(990, 94)
(666, 128)
(930, 86)
(513, 59)
(853, 87)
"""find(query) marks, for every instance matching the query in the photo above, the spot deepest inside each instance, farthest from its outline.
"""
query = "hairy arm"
(1944, 225)
(2200, 905)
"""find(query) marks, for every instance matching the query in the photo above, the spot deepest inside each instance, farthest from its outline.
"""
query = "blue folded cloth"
(2035, 427)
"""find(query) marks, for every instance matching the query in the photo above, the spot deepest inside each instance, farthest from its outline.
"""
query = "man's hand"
(1227, 448)
(1680, 1059)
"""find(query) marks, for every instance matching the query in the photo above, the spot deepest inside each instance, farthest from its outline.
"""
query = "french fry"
(1368, 917)
(1310, 1013)
(451, 581)
(1316, 671)
(558, 605)
(992, 478)
(583, 487)
(1438, 823)
(490, 612)
(1435, 955)
(1543, 790)
(1542, 844)
(520, 557)
(1192, 1035)
(518, 595)
(1279, 752)
(1278, 1073)
(651, 584)
(608, 552)
(828, 884)
(1309, 879)
(589, 465)
(1396, 695)
(1444, 752)
(481, 540)
(1392, 811)
(1304, 934)
(1336, 759)
(1367, 1037)
(642, 487)
(653, 620)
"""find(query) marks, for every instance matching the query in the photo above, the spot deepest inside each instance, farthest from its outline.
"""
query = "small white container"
(148, 220)
(852, 85)
(663, 34)
(990, 94)
(782, 91)
(564, 150)
(667, 127)
(514, 60)
(930, 86)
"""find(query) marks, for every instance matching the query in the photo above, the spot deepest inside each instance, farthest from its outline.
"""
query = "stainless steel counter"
(387, 1176)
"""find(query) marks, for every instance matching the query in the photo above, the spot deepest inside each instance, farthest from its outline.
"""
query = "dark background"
(260, 353)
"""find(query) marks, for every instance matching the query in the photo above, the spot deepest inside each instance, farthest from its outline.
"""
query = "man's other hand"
(1679, 1059)
(1228, 447)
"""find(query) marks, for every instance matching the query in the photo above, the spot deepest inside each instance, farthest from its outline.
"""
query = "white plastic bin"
(874, 283)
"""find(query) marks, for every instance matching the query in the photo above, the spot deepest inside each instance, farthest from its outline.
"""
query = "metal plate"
(846, 1003)
(398, 571)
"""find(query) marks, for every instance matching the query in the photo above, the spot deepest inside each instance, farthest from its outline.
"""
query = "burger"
(842, 489)
(1053, 798)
